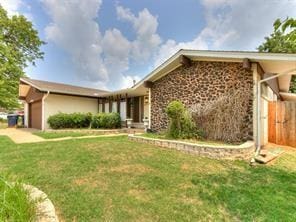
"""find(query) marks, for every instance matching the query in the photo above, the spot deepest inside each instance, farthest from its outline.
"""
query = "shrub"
(106, 121)
(181, 124)
(226, 118)
(72, 120)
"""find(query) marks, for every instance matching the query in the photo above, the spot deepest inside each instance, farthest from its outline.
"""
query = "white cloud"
(16, 7)
(74, 29)
(242, 25)
(116, 50)
(11, 6)
(105, 58)
(171, 47)
(100, 57)
(145, 25)
(232, 25)
(128, 81)
(113, 37)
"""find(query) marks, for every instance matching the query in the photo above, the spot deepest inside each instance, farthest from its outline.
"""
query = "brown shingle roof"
(54, 87)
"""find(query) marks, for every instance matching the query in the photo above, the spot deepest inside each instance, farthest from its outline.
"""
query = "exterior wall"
(54, 104)
(201, 82)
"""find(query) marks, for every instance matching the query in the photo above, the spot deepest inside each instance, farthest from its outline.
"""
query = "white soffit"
(288, 96)
(277, 67)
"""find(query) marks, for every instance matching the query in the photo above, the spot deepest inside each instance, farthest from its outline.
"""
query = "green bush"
(180, 121)
(72, 120)
(106, 121)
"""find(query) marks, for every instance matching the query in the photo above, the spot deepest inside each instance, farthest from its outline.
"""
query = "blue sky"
(108, 43)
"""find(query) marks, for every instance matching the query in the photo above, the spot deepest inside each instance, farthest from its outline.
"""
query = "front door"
(35, 115)
(136, 110)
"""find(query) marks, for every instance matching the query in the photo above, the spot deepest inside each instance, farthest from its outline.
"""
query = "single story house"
(191, 76)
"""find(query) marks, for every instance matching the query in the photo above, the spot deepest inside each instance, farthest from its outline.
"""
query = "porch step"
(268, 155)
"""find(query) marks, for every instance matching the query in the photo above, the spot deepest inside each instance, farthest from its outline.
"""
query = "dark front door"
(136, 110)
(35, 115)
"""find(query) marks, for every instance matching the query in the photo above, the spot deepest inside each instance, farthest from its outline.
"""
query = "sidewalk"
(21, 135)
(26, 136)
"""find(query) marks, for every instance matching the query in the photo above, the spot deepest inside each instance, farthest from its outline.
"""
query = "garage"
(35, 115)
(43, 99)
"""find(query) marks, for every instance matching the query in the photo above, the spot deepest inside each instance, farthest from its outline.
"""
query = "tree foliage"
(282, 40)
(19, 47)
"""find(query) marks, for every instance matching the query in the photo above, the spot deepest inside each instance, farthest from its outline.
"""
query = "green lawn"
(53, 135)
(15, 204)
(113, 179)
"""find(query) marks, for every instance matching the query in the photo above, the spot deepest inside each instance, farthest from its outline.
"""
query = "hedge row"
(106, 120)
(84, 120)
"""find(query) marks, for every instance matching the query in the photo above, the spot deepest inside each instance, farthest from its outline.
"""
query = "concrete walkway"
(21, 135)
(26, 136)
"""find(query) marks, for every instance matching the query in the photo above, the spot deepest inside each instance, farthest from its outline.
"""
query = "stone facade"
(203, 81)
(244, 151)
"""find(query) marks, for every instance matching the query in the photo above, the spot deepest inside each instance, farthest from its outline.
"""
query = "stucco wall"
(54, 104)
(201, 82)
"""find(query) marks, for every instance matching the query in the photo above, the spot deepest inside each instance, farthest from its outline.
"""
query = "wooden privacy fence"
(282, 123)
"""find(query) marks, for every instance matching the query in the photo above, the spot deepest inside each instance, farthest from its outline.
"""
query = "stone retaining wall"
(99, 131)
(45, 211)
(244, 151)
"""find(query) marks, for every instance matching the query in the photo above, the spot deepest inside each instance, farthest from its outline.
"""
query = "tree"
(282, 40)
(19, 47)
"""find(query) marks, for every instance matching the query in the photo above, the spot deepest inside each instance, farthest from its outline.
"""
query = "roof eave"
(253, 56)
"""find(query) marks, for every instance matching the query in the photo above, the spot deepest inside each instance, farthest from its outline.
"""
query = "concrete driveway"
(21, 135)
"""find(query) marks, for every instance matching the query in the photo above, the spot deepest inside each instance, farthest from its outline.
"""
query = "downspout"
(149, 108)
(258, 145)
(43, 114)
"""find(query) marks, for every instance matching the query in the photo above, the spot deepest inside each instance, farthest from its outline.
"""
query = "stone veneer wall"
(203, 81)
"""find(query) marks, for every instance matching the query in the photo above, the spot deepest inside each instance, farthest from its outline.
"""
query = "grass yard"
(15, 204)
(53, 135)
(113, 179)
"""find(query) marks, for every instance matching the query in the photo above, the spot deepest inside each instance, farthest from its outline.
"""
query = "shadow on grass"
(253, 194)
